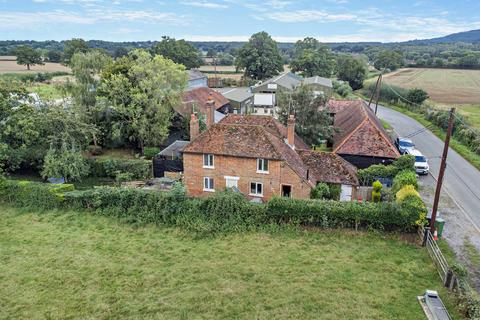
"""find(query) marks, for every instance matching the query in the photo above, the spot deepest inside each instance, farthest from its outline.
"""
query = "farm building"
(361, 138)
(320, 85)
(196, 101)
(241, 99)
(196, 79)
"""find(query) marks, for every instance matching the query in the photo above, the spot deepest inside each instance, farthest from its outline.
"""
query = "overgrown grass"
(75, 265)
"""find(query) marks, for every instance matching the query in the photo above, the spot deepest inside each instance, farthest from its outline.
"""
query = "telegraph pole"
(442, 171)
(376, 93)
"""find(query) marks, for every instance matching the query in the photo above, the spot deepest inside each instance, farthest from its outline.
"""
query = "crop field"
(65, 265)
(445, 86)
(11, 66)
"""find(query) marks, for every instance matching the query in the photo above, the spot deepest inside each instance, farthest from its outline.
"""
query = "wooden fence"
(446, 274)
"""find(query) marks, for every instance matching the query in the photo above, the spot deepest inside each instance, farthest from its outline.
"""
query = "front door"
(346, 194)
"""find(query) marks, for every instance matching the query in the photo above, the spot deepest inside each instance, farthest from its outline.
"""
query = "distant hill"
(472, 36)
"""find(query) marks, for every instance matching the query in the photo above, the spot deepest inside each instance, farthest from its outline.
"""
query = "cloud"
(204, 4)
(308, 15)
(29, 19)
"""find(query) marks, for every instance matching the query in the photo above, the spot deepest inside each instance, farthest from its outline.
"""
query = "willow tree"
(143, 89)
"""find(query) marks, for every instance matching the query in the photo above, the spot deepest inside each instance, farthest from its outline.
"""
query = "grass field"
(445, 86)
(75, 265)
(11, 66)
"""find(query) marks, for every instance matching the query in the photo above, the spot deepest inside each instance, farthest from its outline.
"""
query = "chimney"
(291, 131)
(210, 111)
(194, 127)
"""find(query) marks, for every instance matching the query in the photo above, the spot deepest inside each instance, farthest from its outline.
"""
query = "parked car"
(404, 144)
(421, 163)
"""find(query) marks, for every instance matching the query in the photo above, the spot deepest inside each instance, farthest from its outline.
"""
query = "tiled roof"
(329, 167)
(268, 122)
(337, 105)
(197, 98)
(360, 131)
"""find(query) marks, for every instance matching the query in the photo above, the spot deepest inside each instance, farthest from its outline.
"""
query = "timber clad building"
(259, 157)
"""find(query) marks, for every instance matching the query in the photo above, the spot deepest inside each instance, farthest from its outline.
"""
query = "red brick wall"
(246, 170)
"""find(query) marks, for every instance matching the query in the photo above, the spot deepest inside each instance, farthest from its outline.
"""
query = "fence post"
(449, 278)
(426, 230)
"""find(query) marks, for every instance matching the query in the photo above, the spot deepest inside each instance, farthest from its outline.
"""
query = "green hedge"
(368, 176)
(224, 211)
(331, 214)
(108, 167)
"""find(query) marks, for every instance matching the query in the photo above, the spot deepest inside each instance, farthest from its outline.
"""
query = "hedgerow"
(223, 212)
(369, 175)
(136, 168)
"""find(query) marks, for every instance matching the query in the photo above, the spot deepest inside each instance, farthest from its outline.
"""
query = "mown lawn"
(76, 265)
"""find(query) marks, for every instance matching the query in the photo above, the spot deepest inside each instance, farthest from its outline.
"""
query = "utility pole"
(442, 171)
(376, 93)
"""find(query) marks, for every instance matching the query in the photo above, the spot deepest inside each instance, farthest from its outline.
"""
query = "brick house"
(259, 157)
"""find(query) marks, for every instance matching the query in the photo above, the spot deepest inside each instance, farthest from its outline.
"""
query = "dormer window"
(262, 165)
(208, 161)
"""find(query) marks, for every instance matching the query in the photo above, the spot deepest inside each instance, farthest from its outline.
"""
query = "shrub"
(377, 191)
(108, 167)
(321, 191)
(405, 192)
(367, 176)
(415, 207)
(403, 179)
(333, 214)
(335, 191)
(150, 152)
(34, 194)
(95, 150)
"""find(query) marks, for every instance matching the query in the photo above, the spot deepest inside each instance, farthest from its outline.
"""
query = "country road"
(462, 180)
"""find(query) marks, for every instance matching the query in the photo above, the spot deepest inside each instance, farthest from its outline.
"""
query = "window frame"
(210, 186)
(208, 157)
(260, 168)
(256, 194)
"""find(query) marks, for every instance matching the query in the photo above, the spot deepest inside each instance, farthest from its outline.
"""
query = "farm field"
(11, 66)
(78, 265)
(445, 86)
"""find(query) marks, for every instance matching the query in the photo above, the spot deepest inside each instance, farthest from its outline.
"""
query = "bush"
(335, 191)
(415, 207)
(95, 150)
(405, 192)
(321, 191)
(369, 175)
(333, 214)
(36, 195)
(403, 179)
(107, 167)
(377, 191)
(150, 152)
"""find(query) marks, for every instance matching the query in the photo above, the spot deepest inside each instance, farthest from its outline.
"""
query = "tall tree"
(179, 51)
(388, 59)
(143, 93)
(352, 70)
(311, 58)
(65, 162)
(260, 57)
(54, 56)
(27, 56)
(313, 122)
(73, 46)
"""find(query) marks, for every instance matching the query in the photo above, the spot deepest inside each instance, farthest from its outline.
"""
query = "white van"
(421, 164)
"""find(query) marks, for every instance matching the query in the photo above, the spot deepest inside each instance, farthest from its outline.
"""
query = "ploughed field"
(76, 265)
(445, 86)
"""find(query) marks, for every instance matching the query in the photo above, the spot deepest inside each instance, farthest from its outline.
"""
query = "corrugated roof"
(174, 149)
(194, 74)
(360, 132)
(238, 94)
(318, 80)
(287, 80)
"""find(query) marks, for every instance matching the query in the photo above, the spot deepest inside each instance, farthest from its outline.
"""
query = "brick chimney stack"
(194, 127)
(291, 131)
(210, 111)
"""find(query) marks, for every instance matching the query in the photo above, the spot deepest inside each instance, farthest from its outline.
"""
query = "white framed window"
(208, 184)
(208, 161)
(262, 165)
(256, 189)
(231, 182)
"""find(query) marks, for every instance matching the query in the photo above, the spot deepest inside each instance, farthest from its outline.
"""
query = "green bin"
(439, 224)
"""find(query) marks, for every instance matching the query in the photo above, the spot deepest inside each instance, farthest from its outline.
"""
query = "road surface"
(461, 181)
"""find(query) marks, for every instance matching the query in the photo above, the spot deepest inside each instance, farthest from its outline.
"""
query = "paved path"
(461, 181)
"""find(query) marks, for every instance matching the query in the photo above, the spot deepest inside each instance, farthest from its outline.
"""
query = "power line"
(463, 182)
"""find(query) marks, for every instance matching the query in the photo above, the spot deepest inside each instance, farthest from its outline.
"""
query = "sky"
(236, 20)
